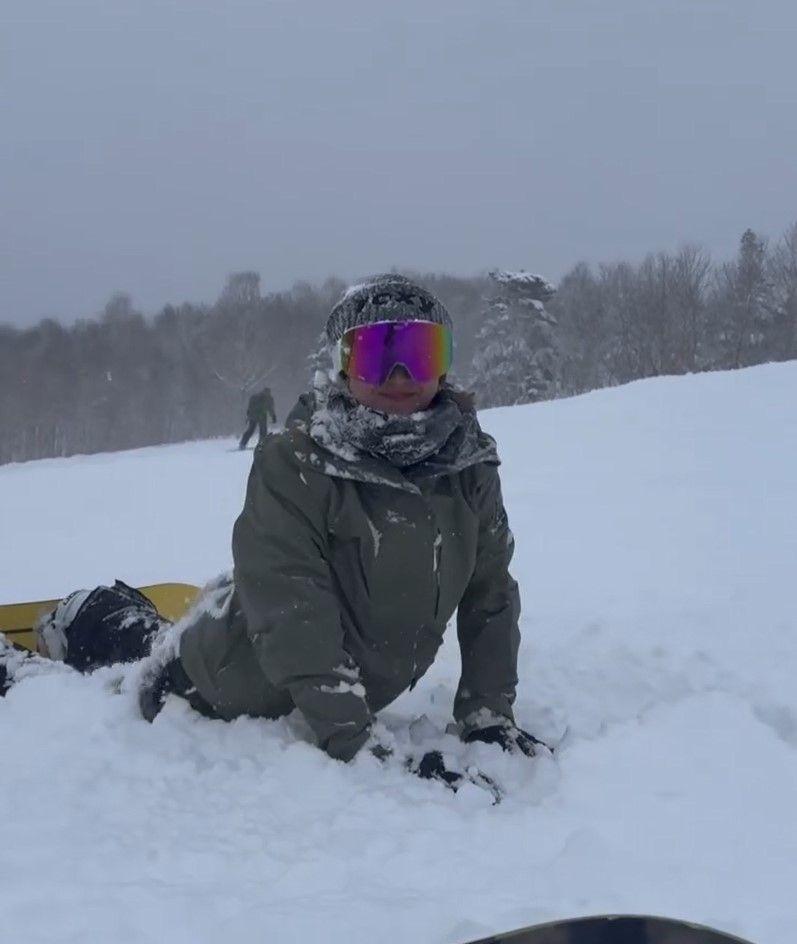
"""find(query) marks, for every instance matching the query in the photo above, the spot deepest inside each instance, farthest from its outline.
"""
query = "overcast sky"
(153, 147)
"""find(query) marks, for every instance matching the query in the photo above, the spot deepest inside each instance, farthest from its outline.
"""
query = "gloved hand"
(432, 767)
(509, 738)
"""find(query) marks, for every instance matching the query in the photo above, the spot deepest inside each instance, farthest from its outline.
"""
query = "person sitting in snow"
(367, 523)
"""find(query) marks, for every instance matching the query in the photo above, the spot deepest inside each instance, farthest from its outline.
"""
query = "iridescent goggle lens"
(371, 351)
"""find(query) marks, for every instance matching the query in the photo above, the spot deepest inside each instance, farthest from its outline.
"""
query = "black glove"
(509, 738)
(432, 767)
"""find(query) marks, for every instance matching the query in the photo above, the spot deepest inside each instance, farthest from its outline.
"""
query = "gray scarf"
(441, 440)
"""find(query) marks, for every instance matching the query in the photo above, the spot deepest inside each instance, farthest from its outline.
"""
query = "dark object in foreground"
(103, 626)
(17, 620)
(510, 739)
(432, 767)
(614, 929)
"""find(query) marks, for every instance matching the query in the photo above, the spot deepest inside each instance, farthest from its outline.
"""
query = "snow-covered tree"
(744, 307)
(516, 359)
(319, 359)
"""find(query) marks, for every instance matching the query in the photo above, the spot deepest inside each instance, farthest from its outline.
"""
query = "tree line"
(122, 380)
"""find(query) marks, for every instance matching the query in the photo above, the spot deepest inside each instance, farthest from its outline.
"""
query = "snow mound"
(656, 549)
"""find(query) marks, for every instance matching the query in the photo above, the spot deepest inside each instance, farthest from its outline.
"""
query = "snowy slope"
(656, 529)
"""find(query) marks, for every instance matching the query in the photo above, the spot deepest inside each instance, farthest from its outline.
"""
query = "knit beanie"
(387, 297)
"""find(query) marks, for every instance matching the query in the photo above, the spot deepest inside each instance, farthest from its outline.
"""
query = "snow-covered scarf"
(443, 439)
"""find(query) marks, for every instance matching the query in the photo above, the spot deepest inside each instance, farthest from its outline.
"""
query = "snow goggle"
(371, 352)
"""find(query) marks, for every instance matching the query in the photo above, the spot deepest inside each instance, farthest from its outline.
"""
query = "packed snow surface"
(656, 529)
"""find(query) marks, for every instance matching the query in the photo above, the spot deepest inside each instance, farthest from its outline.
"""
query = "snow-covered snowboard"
(614, 929)
(17, 620)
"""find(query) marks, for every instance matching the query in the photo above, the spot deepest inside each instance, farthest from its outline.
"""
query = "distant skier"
(258, 412)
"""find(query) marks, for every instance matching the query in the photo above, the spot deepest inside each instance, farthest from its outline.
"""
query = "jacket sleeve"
(487, 617)
(283, 581)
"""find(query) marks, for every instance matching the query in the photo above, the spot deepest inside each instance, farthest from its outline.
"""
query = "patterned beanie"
(388, 297)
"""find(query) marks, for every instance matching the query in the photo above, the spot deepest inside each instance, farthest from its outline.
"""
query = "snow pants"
(262, 432)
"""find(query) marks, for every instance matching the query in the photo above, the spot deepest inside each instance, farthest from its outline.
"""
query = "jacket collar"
(366, 468)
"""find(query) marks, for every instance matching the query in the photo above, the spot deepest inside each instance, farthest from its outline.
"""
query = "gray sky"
(152, 147)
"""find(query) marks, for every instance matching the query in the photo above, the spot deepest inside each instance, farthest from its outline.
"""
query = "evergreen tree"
(319, 359)
(743, 307)
(517, 354)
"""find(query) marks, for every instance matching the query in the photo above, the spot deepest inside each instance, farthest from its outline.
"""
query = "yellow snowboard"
(17, 620)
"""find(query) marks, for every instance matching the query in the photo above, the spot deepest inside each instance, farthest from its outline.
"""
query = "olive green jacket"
(346, 574)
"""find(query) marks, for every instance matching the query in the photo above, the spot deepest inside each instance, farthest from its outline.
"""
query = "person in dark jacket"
(258, 412)
(373, 517)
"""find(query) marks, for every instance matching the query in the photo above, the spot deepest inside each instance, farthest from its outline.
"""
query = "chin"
(400, 409)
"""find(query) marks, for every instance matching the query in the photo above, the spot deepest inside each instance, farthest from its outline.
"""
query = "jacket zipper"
(437, 551)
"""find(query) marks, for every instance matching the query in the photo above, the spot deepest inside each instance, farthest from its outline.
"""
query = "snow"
(523, 280)
(520, 277)
(656, 533)
(376, 535)
(345, 688)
